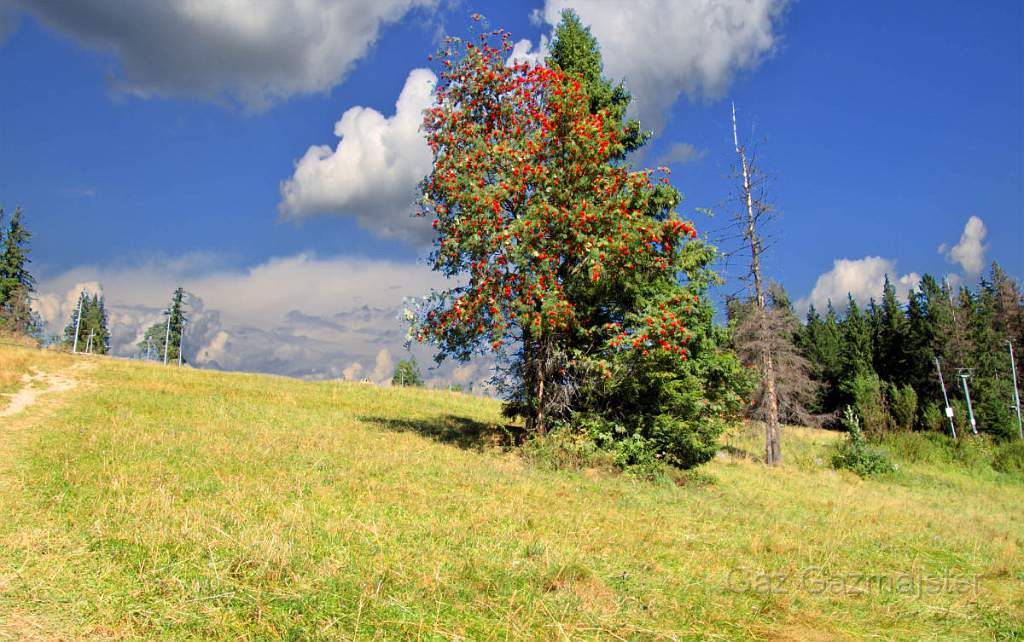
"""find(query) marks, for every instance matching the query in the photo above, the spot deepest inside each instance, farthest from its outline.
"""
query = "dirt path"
(33, 386)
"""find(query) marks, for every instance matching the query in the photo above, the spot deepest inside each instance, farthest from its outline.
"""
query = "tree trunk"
(539, 423)
(772, 442)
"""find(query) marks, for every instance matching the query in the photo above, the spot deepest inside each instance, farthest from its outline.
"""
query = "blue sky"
(151, 147)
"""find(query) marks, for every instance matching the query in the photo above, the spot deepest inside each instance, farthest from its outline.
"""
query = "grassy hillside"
(158, 503)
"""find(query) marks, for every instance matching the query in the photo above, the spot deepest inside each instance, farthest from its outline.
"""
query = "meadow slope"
(152, 503)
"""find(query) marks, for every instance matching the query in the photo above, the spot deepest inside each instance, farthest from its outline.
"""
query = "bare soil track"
(35, 385)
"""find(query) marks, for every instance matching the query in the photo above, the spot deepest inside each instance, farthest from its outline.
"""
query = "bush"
(855, 454)
(869, 403)
(566, 449)
(995, 416)
(903, 403)
(933, 448)
(937, 449)
(1009, 458)
(663, 409)
(593, 442)
(933, 418)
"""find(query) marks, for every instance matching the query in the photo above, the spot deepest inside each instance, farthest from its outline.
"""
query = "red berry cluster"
(525, 202)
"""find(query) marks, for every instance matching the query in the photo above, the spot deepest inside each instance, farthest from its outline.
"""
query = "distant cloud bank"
(301, 316)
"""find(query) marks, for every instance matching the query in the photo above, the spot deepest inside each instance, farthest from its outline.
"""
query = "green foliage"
(581, 276)
(855, 454)
(865, 391)
(407, 373)
(964, 331)
(1009, 458)
(166, 333)
(571, 447)
(903, 406)
(575, 50)
(16, 282)
(855, 339)
(93, 331)
(933, 417)
(979, 454)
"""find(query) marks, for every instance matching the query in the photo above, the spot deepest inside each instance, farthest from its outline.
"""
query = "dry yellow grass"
(157, 503)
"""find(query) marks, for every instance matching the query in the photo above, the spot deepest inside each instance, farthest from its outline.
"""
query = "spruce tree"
(857, 356)
(820, 345)
(919, 351)
(16, 282)
(890, 338)
(165, 338)
(407, 373)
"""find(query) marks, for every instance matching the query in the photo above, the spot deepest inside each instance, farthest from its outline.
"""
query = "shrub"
(903, 403)
(566, 449)
(869, 403)
(1009, 458)
(939, 449)
(594, 442)
(855, 454)
(933, 418)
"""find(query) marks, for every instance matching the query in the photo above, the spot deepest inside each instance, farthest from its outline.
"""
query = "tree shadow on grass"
(463, 432)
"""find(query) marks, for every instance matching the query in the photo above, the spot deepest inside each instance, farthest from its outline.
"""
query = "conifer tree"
(856, 358)
(93, 330)
(820, 344)
(165, 338)
(407, 373)
(890, 338)
(16, 282)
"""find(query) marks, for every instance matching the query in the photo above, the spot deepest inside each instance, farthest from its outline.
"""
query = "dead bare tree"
(756, 211)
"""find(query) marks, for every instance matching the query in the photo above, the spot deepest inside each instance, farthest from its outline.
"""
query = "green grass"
(158, 503)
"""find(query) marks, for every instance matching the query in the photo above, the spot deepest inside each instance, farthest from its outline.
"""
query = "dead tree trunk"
(772, 442)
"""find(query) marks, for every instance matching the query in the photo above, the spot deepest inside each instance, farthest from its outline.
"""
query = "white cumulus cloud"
(969, 252)
(682, 153)
(374, 171)
(862, 278)
(253, 52)
(664, 48)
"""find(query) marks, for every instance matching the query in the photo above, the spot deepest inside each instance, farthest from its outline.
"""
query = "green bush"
(903, 404)
(1009, 458)
(933, 418)
(593, 442)
(855, 454)
(938, 449)
(869, 403)
(933, 448)
(565, 449)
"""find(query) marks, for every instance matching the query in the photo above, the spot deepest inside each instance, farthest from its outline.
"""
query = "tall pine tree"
(165, 337)
(16, 282)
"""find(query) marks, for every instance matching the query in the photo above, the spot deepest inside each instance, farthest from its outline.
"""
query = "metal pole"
(88, 344)
(181, 340)
(78, 321)
(945, 397)
(967, 396)
(1016, 393)
(167, 338)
